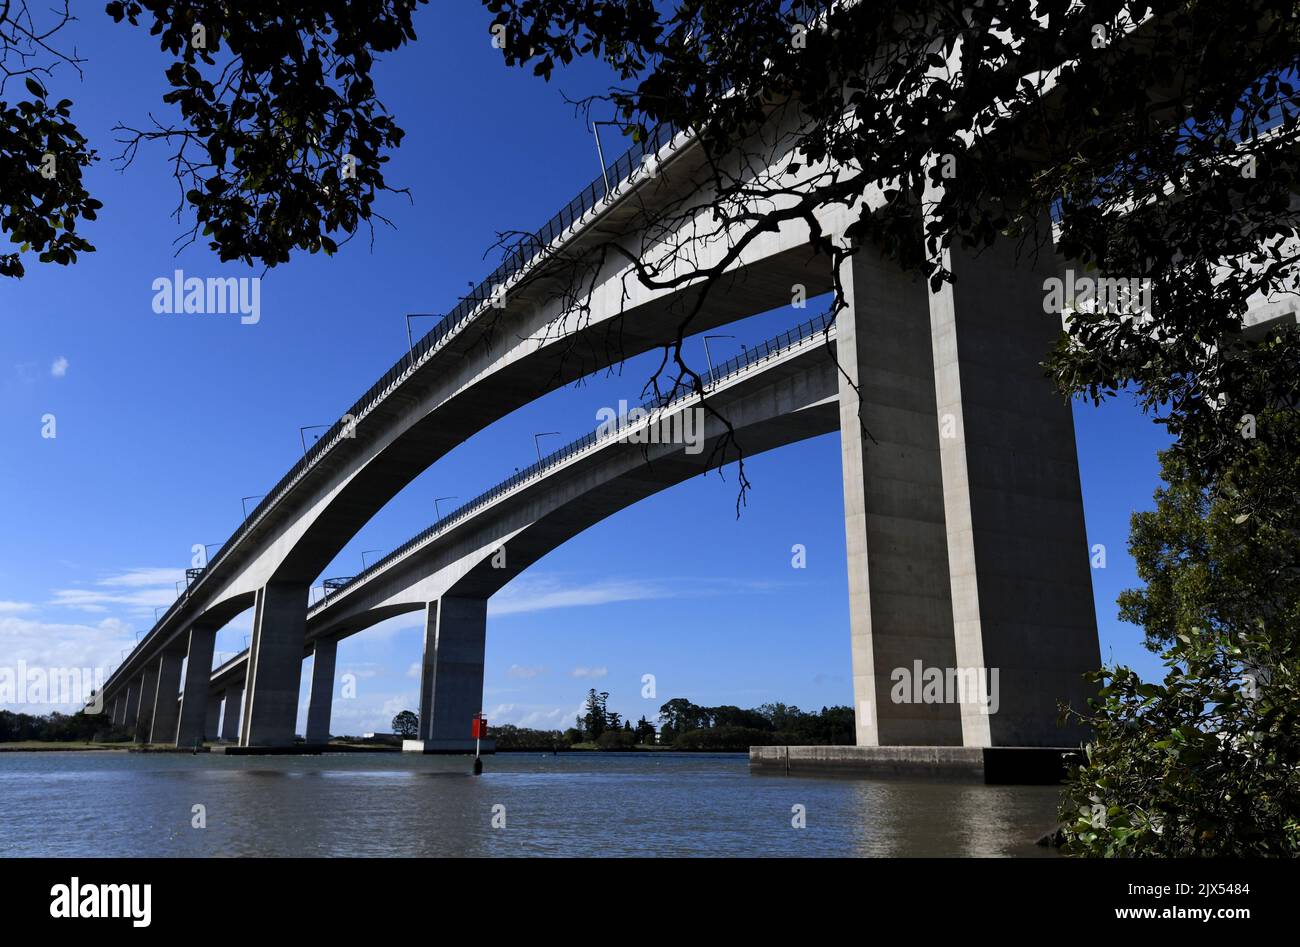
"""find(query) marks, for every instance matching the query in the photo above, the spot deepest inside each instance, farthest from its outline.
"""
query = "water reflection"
(118, 804)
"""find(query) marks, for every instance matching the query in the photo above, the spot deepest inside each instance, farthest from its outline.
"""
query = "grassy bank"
(37, 746)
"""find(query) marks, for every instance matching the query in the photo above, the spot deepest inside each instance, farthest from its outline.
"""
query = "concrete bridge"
(776, 394)
(964, 521)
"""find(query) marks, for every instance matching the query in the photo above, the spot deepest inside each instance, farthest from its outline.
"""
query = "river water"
(654, 804)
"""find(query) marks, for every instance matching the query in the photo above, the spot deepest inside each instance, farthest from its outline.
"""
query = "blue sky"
(165, 422)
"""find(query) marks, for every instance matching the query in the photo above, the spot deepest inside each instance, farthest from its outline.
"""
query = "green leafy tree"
(731, 716)
(681, 716)
(644, 731)
(510, 737)
(1207, 760)
(42, 153)
(595, 718)
(278, 137)
(406, 724)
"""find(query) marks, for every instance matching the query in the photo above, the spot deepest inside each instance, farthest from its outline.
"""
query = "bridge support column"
(1017, 548)
(899, 591)
(451, 686)
(144, 709)
(230, 714)
(194, 693)
(166, 708)
(212, 716)
(115, 709)
(131, 708)
(322, 691)
(275, 665)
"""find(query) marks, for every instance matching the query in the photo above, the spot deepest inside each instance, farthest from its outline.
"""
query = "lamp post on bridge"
(364, 553)
(707, 356)
(437, 510)
(302, 434)
(243, 502)
(600, 152)
(410, 340)
(537, 447)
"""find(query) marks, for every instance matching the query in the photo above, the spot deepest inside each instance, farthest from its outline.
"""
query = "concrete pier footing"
(447, 746)
(1023, 765)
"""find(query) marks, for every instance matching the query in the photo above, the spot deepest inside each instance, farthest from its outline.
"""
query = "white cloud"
(140, 602)
(395, 705)
(519, 670)
(96, 648)
(135, 578)
(369, 714)
(60, 367)
(10, 607)
(538, 718)
(590, 672)
(138, 590)
(537, 593)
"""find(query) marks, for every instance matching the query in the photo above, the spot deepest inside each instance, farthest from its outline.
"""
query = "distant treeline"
(57, 727)
(687, 726)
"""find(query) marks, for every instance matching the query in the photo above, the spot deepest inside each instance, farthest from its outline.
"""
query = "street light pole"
(537, 447)
(600, 152)
(302, 434)
(709, 358)
(437, 510)
(410, 340)
(364, 553)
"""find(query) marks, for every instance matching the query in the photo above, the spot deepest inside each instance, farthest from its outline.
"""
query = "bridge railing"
(518, 258)
(681, 392)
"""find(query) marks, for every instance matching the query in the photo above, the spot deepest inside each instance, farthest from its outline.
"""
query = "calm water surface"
(133, 804)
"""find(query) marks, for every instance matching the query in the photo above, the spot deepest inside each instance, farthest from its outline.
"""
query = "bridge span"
(963, 513)
(775, 394)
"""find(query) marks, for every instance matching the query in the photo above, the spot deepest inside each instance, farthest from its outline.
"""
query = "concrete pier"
(275, 665)
(212, 718)
(194, 709)
(144, 705)
(166, 708)
(322, 691)
(900, 603)
(1017, 549)
(230, 714)
(451, 685)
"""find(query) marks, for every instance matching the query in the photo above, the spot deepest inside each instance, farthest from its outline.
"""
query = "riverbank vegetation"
(59, 728)
(683, 725)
